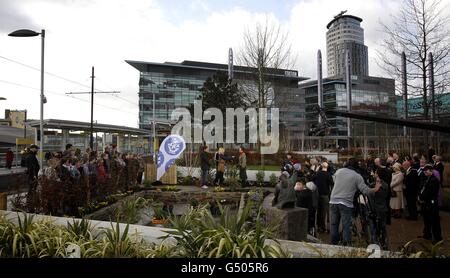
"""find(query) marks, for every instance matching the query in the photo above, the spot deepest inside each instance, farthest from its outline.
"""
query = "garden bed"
(168, 202)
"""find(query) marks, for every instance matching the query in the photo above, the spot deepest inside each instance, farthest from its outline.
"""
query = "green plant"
(260, 178)
(117, 244)
(273, 180)
(147, 184)
(159, 212)
(219, 189)
(170, 188)
(421, 248)
(24, 237)
(230, 236)
(232, 183)
(80, 229)
(188, 180)
(129, 210)
(232, 172)
(163, 250)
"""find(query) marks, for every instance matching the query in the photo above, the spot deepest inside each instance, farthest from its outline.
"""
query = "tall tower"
(345, 33)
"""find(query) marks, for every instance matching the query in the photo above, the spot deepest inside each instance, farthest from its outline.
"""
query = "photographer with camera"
(347, 182)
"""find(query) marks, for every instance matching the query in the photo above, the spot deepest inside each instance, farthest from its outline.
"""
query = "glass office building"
(178, 85)
(369, 95)
(415, 107)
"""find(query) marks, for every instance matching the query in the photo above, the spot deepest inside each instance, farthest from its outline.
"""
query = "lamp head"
(24, 33)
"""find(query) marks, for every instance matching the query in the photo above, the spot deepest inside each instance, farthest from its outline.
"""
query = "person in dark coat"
(430, 153)
(204, 165)
(9, 158)
(428, 199)
(32, 175)
(385, 174)
(412, 183)
(416, 161)
(324, 183)
(304, 199)
(421, 172)
(378, 201)
(242, 166)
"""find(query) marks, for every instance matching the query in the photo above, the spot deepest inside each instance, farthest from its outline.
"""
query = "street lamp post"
(30, 33)
(154, 132)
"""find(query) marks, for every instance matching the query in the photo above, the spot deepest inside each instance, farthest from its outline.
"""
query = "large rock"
(292, 223)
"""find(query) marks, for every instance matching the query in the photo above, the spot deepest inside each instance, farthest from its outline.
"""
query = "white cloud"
(81, 34)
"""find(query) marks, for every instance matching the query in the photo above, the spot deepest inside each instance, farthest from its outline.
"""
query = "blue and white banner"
(171, 148)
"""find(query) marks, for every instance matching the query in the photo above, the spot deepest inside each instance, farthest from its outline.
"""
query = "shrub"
(232, 172)
(232, 183)
(129, 210)
(260, 178)
(147, 184)
(273, 179)
(202, 236)
(160, 212)
(188, 180)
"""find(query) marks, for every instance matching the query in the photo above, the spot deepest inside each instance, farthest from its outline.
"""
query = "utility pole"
(91, 140)
(348, 82)
(320, 91)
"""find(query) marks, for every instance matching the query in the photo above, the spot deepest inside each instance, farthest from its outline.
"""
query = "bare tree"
(265, 49)
(419, 28)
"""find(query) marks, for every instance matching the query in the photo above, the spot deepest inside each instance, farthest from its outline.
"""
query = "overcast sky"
(103, 33)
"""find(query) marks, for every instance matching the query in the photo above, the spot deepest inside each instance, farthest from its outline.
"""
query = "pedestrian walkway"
(13, 170)
(401, 231)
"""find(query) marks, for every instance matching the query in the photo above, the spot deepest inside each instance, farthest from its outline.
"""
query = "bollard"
(3, 201)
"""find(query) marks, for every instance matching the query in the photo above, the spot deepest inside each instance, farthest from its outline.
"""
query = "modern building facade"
(415, 108)
(369, 95)
(345, 33)
(179, 85)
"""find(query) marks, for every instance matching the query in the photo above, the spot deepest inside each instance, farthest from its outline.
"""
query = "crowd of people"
(370, 191)
(72, 178)
(220, 160)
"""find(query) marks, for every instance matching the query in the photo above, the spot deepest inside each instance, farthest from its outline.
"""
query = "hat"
(285, 173)
(34, 146)
(427, 167)
(297, 167)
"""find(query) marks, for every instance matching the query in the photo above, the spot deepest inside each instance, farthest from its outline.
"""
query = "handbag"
(393, 194)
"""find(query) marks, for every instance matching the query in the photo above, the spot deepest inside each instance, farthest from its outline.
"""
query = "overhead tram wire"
(117, 96)
(60, 95)
(63, 78)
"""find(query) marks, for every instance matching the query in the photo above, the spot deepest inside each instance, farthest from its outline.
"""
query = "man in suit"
(421, 172)
(428, 198)
(412, 182)
(430, 153)
(416, 161)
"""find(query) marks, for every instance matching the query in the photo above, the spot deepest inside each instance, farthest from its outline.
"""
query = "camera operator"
(347, 182)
